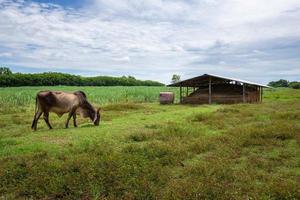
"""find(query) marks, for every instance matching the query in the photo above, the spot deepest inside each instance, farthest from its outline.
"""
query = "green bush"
(285, 83)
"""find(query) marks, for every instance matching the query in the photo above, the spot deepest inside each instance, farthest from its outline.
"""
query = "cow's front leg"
(74, 120)
(69, 117)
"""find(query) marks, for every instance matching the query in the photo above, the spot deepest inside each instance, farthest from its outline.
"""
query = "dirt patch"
(122, 107)
(61, 140)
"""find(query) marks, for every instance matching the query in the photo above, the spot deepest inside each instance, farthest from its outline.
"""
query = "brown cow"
(63, 102)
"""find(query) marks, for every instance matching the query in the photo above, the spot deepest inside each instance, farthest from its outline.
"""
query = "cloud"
(153, 39)
(125, 59)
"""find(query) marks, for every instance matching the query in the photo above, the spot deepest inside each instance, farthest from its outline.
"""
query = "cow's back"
(57, 101)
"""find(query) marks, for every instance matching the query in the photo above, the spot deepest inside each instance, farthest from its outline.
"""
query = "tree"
(279, 83)
(131, 77)
(5, 71)
(294, 84)
(175, 78)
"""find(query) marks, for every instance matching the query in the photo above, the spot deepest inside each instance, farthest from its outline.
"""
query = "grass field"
(143, 150)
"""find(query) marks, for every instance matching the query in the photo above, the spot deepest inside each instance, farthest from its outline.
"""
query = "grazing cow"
(63, 102)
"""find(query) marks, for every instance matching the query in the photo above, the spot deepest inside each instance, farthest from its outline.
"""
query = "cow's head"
(96, 119)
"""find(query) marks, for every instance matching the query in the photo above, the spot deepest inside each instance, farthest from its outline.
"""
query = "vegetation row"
(9, 79)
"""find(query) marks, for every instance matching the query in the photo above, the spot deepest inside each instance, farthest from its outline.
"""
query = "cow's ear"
(98, 109)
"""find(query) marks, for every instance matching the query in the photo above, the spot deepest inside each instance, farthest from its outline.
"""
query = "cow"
(60, 103)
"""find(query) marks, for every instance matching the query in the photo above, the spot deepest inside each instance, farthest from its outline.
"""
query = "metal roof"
(221, 77)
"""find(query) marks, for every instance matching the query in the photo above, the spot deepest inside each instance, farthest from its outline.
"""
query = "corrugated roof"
(221, 77)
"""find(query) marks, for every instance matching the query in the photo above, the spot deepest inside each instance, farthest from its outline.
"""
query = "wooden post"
(209, 91)
(187, 91)
(180, 96)
(258, 94)
(244, 95)
(261, 94)
(257, 90)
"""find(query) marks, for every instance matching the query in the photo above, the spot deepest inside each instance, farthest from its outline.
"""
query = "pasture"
(143, 150)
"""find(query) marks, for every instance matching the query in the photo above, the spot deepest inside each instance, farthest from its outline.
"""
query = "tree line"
(10, 79)
(285, 83)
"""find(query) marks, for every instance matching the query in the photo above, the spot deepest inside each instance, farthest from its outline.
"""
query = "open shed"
(209, 88)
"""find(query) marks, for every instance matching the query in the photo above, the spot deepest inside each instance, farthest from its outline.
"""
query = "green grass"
(149, 151)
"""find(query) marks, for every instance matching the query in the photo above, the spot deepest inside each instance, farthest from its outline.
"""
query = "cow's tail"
(35, 109)
(36, 99)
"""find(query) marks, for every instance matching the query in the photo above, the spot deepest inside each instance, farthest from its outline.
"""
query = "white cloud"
(152, 39)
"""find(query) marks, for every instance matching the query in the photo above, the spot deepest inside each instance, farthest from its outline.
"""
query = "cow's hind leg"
(35, 119)
(46, 118)
(74, 120)
(33, 122)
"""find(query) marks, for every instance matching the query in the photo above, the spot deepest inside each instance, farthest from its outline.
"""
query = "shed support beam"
(209, 91)
(258, 94)
(180, 95)
(244, 93)
(187, 91)
(261, 94)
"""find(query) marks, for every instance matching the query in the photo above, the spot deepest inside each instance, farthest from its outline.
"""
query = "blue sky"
(256, 40)
(65, 3)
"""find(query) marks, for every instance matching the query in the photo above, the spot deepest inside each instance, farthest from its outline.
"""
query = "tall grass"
(25, 96)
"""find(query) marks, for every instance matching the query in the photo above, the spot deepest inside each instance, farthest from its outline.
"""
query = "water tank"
(166, 97)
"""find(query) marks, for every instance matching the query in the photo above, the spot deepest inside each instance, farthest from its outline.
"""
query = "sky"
(257, 40)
